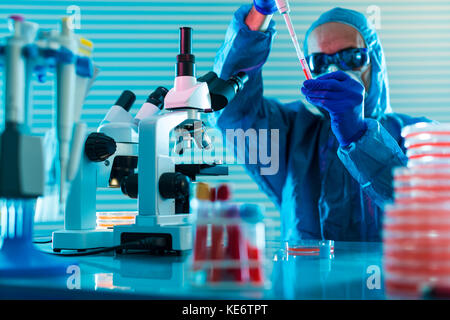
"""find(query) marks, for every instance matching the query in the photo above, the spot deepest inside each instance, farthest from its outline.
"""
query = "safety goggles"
(347, 59)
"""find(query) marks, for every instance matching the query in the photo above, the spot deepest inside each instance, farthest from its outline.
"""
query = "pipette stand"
(21, 177)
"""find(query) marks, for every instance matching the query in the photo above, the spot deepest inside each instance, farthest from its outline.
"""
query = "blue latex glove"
(343, 98)
(265, 6)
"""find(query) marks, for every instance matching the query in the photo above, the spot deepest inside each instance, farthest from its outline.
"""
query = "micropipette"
(283, 8)
(65, 89)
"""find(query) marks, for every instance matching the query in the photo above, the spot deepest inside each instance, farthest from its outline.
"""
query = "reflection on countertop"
(354, 272)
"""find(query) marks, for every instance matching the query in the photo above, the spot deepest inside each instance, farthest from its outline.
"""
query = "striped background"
(136, 42)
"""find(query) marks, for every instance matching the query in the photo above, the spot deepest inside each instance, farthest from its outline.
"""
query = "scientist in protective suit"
(335, 167)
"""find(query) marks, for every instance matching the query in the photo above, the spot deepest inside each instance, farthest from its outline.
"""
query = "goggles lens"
(345, 60)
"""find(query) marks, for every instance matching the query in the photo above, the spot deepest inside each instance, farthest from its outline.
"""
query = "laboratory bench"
(353, 272)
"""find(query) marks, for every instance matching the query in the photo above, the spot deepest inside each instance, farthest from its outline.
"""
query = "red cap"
(212, 194)
(223, 193)
(16, 17)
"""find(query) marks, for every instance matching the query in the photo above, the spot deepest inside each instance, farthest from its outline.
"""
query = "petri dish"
(422, 139)
(417, 268)
(427, 166)
(422, 197)
(109, 219)
(319, 248)
(409, 242)
(426, 129)
(425, 226)
(428, 151)
(409, 286)
(419, 254)
(430, 141)
(430, 172)
(428, 161)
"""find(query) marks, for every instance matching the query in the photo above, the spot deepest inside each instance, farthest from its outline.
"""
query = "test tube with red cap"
(236, 248)
(201, 207)
(217, 238)
(253, 225)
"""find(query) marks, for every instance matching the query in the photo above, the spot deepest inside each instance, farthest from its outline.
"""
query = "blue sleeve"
(372, 158)
(247, 50)
(243, 50)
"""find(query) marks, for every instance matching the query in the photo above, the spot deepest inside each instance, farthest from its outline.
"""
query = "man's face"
(332, 37)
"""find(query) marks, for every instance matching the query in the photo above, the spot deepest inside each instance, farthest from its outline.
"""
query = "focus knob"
(99, 147)
(174, 185)
(129, 186)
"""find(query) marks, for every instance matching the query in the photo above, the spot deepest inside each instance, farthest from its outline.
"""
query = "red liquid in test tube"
(217, 249)
(236, 245)
(200, 245)
(254, 256)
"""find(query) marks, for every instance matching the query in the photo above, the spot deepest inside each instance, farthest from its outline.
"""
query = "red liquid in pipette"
(305, 70)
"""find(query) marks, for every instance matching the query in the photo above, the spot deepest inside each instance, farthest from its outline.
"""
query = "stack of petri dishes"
(417, 225)
(110, 219)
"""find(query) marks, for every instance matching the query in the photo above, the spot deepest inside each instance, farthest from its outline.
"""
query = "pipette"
(283, 8)
(65, 89)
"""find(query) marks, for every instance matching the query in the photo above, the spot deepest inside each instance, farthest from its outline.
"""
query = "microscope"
(109, 155)
(126, 152)
(162, 185)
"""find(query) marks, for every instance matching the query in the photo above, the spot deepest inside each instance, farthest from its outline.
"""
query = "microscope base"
(81, 239)
(162, 239)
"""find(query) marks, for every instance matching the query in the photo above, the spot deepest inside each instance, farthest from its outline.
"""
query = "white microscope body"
(161, 184)
(108, 154)
(163, 192)
(157, 216)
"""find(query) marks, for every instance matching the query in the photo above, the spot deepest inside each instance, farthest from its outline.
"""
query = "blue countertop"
(355, 272)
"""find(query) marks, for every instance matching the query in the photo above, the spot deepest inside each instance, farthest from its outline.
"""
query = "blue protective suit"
(323, 191)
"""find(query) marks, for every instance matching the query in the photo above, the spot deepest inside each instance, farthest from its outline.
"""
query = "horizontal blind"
(135, 44)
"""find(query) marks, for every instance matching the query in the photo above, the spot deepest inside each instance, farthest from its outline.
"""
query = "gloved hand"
(343, 98)
(265, 6)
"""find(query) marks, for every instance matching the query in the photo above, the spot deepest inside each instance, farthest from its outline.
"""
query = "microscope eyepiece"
(185, 40)
(126, 100)
(157, 97)
(209, 78)
(238, 81)
(223, 91)
(185, 60)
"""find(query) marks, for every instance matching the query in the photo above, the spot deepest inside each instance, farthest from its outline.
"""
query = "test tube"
(283, 8)
(201, 207)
